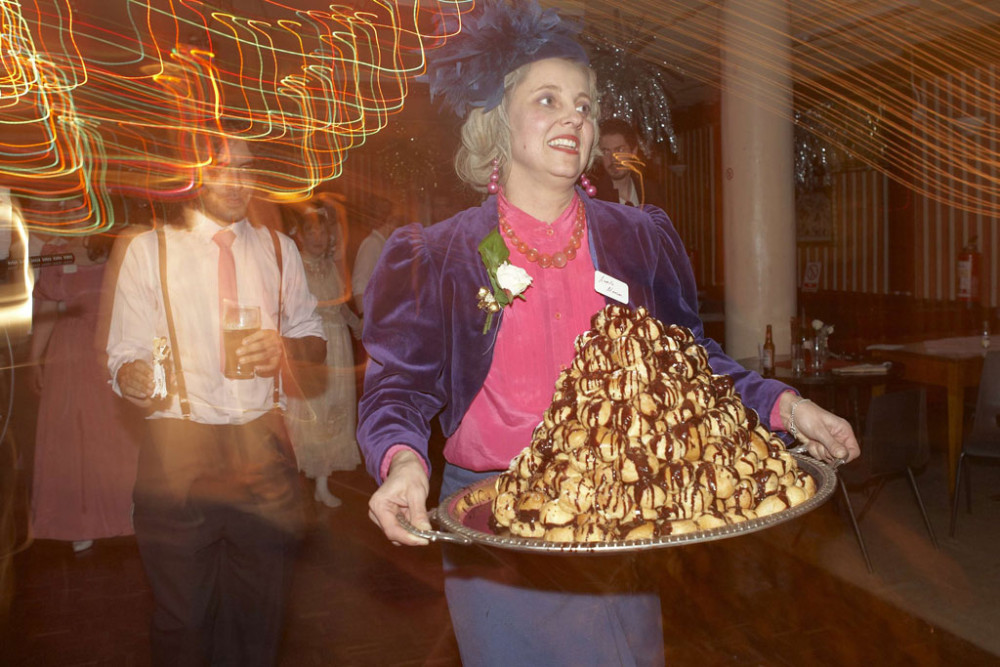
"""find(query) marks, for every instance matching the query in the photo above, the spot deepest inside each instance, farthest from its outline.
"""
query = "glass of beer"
(238, 322)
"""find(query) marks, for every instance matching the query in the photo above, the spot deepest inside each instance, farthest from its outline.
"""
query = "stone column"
(758, 196)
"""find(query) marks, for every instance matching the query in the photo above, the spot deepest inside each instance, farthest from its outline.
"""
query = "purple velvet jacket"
(423, 329)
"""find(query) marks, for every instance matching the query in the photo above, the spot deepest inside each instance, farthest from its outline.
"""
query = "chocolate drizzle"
(641, 440)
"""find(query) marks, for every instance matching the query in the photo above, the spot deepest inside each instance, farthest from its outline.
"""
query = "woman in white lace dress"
(322, 411)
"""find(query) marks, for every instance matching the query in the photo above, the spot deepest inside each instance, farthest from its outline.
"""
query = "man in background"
(623, 178)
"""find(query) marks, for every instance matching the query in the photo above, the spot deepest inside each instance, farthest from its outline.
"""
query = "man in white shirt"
(216, 513)
(364, 264)
(383, 220)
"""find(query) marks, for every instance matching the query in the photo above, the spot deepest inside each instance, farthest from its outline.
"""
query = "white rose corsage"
(507, 281)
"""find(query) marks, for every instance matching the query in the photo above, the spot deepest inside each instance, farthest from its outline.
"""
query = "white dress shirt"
(365, 261)
(192, 276)
(627, 194)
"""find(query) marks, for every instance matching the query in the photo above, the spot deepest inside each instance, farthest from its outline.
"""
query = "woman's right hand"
(404, 490)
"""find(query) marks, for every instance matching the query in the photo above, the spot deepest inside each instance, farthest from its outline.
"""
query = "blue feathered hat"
(497, 38)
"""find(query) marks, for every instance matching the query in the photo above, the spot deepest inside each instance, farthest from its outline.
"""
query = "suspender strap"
(281, 273)
(161, 242)
(175, 351)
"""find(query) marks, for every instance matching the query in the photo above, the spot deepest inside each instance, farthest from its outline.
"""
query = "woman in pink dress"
(86, 446)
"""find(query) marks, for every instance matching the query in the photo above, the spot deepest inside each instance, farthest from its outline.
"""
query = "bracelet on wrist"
(792, 428)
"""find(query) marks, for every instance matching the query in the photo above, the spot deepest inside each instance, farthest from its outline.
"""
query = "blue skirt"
(510, 608)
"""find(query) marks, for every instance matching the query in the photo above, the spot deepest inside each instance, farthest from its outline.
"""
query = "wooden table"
(953, 363)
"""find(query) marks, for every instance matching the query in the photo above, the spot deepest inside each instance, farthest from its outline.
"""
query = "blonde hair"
(486, 134)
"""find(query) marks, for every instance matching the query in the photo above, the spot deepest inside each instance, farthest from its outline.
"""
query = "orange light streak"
(94, 106)
(905, 89)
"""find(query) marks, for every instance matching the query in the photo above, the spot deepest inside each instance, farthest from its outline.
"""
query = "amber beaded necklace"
(558, 259)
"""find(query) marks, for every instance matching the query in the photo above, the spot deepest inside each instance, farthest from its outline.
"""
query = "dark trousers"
(217, 519)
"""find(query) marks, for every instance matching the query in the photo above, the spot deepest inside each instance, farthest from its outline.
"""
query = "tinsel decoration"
(815, 163)
(634, 88)
(815, 159)
(831, 138)
(496, 38)
(823, 148)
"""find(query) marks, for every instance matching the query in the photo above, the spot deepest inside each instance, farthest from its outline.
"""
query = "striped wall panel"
(943, 225)
(690, 195)
(856, 259)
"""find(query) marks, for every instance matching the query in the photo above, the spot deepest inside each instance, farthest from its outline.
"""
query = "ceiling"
(859, 44)
(684, 36)
(826, 36)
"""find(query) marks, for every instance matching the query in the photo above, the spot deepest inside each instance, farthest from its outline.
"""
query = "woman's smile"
(568, 143)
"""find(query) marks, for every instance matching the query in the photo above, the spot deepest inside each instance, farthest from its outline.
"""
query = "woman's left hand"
(827, 437)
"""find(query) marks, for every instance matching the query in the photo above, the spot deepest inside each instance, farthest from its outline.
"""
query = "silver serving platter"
(468, 522)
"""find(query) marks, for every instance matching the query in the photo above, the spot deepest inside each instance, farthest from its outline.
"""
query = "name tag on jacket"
(610, 287)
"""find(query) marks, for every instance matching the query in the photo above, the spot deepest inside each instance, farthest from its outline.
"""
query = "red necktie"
(227, 280)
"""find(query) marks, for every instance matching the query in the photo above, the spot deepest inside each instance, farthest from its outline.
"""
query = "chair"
(984, 440)
(894, 442)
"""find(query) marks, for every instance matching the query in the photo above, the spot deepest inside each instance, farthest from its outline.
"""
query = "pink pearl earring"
(586, 185)
(494, 185)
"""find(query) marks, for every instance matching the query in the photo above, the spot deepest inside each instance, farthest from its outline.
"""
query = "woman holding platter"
(484, 362)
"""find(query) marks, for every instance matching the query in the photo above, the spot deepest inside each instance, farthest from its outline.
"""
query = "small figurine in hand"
(161, 352)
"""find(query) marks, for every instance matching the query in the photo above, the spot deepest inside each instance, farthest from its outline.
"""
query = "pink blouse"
(534, 343)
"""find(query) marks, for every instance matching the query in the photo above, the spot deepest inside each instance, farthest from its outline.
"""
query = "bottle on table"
(767, 358)
(986, 334)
